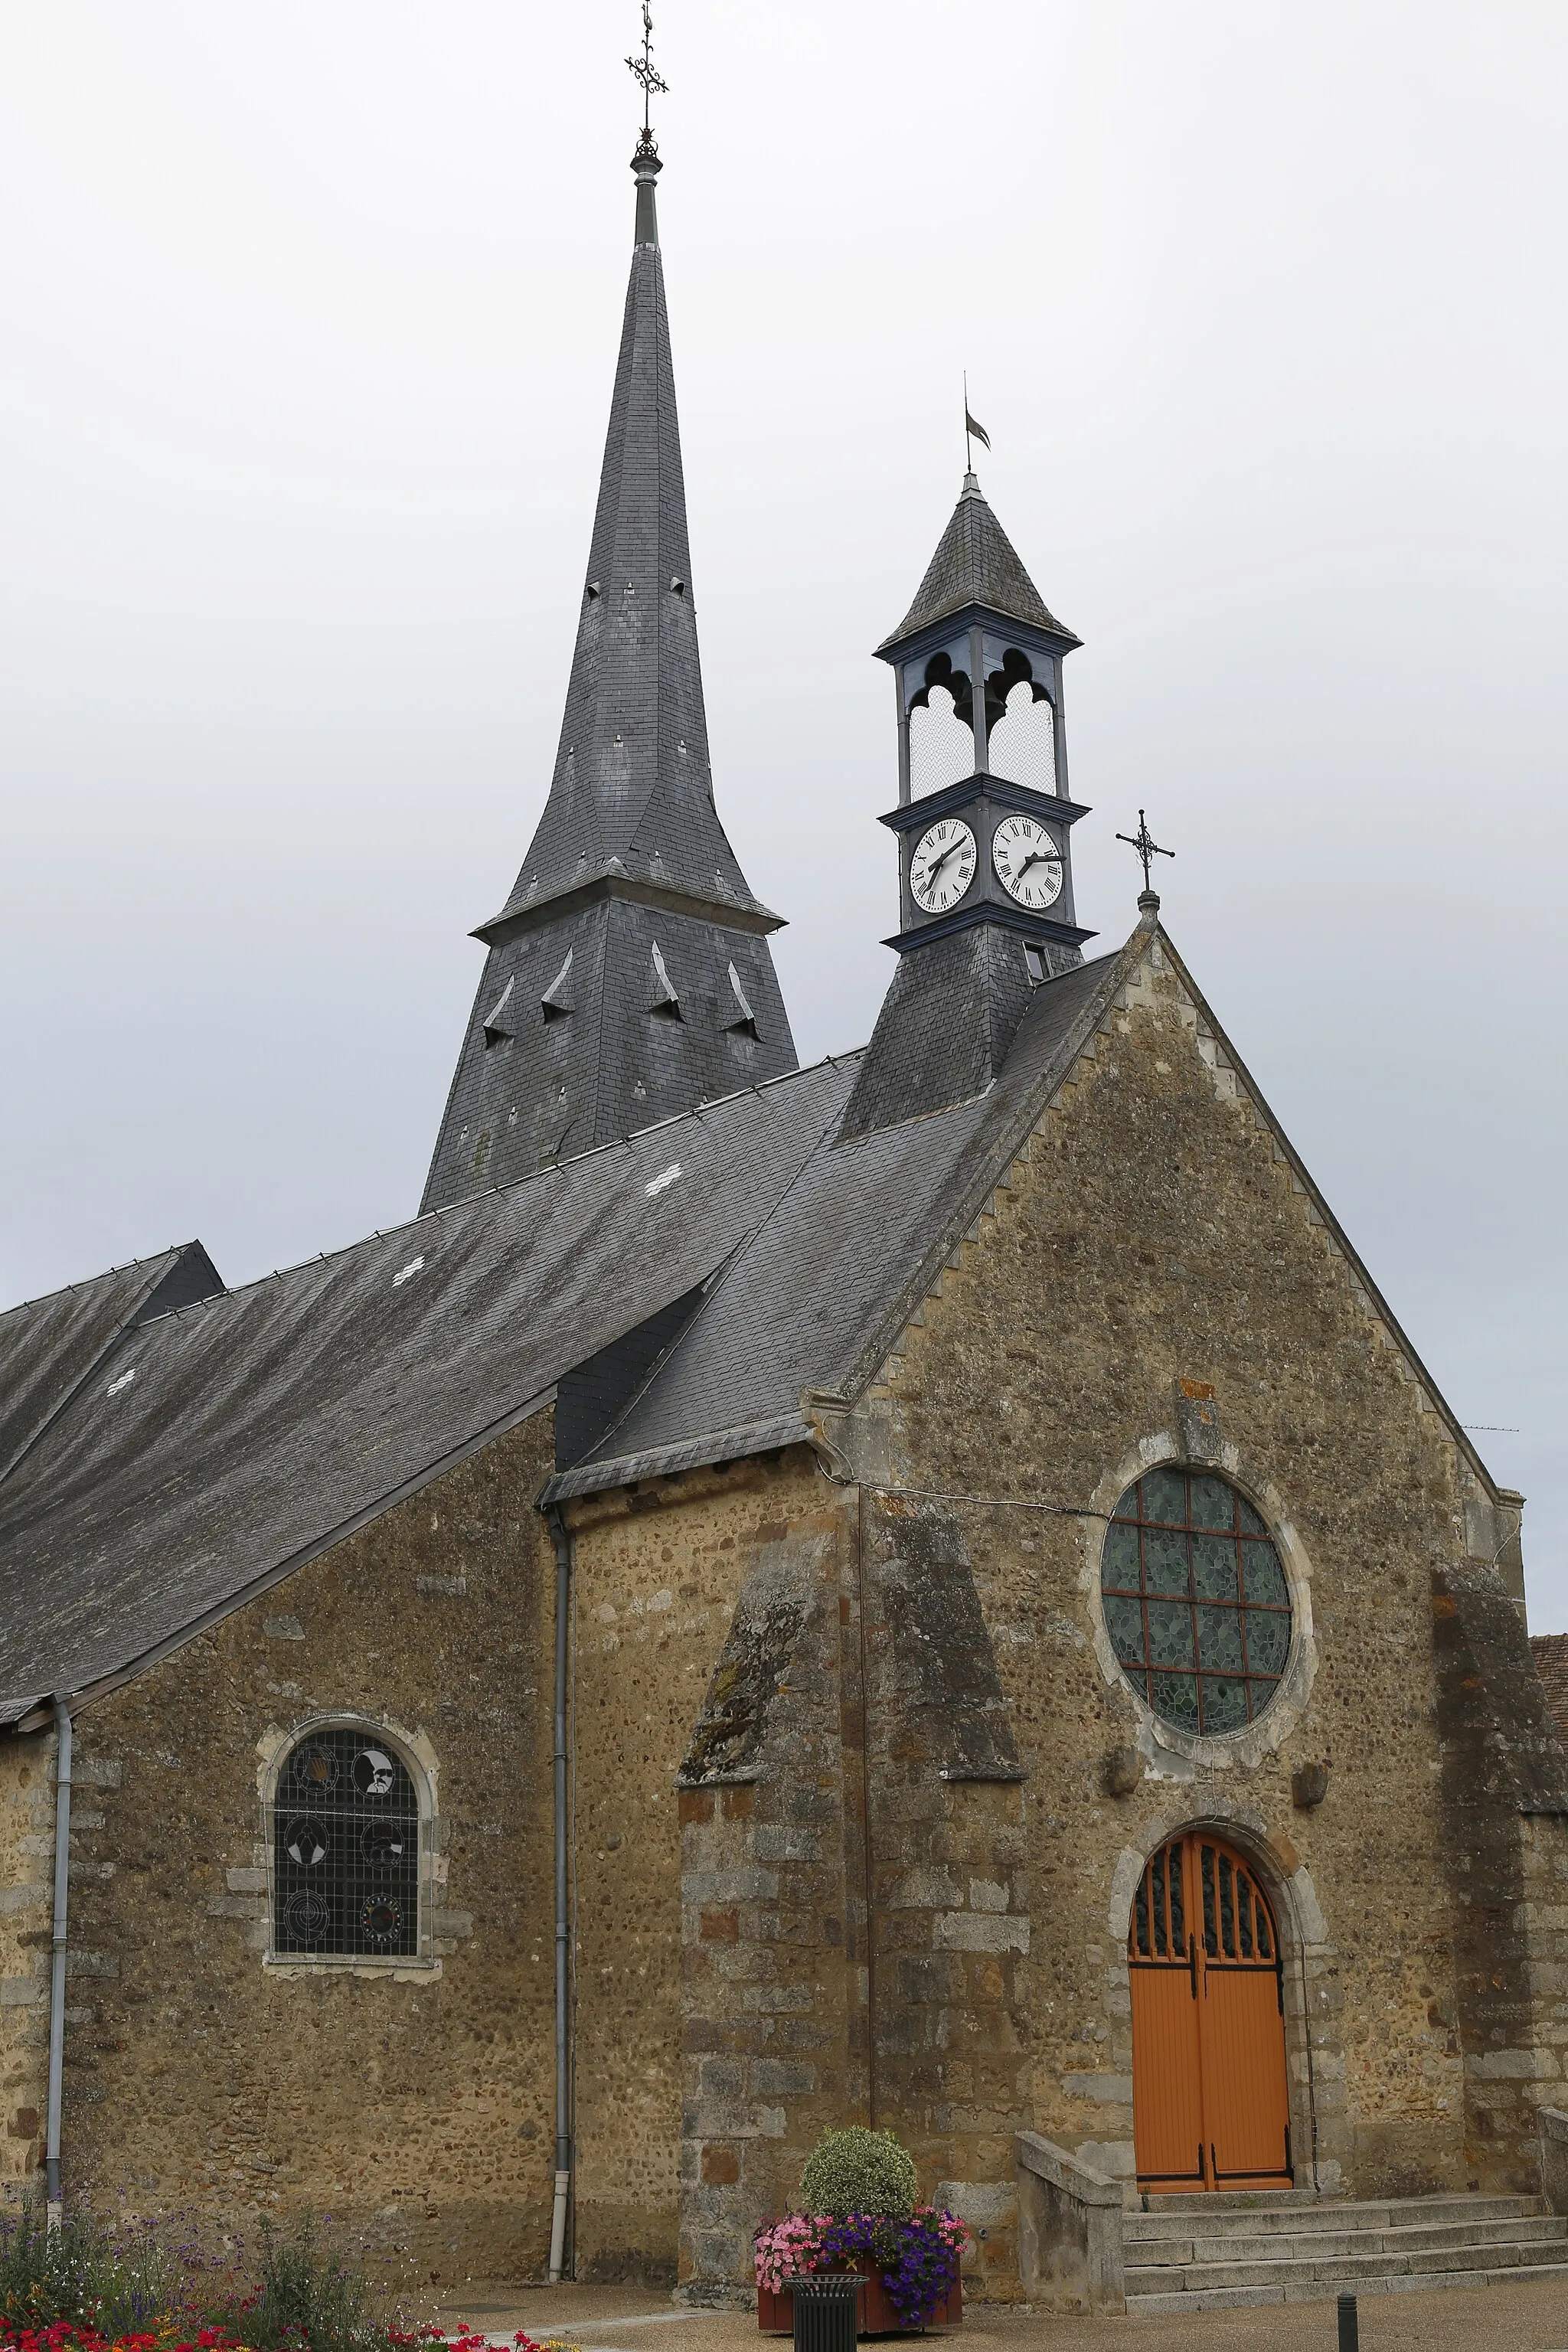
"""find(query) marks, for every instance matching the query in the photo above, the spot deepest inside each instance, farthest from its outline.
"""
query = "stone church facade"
(549, 1709)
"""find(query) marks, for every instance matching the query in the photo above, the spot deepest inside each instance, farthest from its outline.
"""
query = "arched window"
(1023, 740)
(942, 730)
(345, 1847)
(1195, 1599)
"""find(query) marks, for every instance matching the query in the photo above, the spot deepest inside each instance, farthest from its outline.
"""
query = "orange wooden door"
(1210, 2105)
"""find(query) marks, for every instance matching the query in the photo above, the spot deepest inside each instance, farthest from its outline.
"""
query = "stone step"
(1227, 2298)
(1311, 2244)
(1245, 2215)
(1344, 2270)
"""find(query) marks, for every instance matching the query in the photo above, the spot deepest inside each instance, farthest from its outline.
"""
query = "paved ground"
(610, 2319)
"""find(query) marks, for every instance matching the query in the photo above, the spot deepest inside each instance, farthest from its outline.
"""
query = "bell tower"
(985, 815)
(983, 823)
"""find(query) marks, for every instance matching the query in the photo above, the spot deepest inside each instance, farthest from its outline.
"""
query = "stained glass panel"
(1121, 1564)
(1165, 1560)
(1166, 1496)
(1170, 1633)
(1213, 1568)
(1124, 1622)
(1213, 1502)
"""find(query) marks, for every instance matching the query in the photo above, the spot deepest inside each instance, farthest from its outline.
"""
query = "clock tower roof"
(975, 564)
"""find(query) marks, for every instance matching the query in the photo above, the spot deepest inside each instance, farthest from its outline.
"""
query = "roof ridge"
(83, 1282)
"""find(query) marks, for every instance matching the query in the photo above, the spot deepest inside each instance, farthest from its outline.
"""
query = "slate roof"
(49, 1346)
(847, 1252)
(1551, 1654)
(975, 564)
(265, 1424)
(630, 815)
(767, 1252)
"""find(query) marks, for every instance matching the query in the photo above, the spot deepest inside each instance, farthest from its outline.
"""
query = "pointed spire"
(630, 838)
(975, 564)
(632, 796)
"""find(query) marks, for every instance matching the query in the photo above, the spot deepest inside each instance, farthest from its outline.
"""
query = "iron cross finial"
(643, 71)
(1144, 842)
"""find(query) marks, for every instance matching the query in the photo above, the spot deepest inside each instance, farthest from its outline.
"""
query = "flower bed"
(912, 2266)
(176, 2334)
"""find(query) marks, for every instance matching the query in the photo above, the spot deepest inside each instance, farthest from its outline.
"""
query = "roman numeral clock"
(984, 814)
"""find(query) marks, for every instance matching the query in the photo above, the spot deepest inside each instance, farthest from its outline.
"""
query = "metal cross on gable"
(643, 70)
(1144, 842)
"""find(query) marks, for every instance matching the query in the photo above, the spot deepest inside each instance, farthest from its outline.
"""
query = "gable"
(1153, 985)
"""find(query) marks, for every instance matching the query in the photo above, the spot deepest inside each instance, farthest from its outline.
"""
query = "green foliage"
(291, 2293)
(306, 2295)
(859, 2171)
(116, 2280)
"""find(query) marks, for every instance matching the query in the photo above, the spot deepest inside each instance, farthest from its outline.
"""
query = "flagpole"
(968, 445)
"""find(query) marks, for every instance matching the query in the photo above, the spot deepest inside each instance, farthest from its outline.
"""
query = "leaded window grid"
(346, 1848)
(1220, 1671)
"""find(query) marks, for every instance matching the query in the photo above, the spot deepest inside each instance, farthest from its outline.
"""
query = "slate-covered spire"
(629, 976)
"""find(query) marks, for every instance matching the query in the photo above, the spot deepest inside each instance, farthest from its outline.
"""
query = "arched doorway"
(1210, 2103)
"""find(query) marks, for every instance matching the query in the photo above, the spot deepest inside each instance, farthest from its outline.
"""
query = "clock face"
(943, 866)
(1028, 863)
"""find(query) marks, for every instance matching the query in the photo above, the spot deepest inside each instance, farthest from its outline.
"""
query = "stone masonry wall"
(711, 1999)
(27, 1900)
(1152, 1232)
(417, 2106)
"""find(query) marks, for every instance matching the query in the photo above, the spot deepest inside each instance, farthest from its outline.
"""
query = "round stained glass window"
(1195, 1601)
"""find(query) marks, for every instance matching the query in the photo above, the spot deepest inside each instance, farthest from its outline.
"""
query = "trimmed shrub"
(859, 2171)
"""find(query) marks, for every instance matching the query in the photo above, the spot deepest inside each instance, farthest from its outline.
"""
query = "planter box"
(775, 2312)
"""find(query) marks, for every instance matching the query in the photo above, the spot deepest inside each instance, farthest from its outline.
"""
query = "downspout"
(57, 1959)
(563, 1911)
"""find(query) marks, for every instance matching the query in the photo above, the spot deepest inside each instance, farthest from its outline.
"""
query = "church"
(928, 1590)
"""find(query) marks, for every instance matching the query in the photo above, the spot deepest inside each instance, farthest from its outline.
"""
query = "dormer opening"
(666, 1005)
(556, 1003)
(744, 1021)
(498, 1027)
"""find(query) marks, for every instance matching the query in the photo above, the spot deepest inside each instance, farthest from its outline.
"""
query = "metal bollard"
(1349, 2333)
(826, 2310)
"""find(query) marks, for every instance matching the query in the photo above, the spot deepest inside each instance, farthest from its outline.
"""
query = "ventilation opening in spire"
(497, 1025)
(666, 1001)
(744, 1023)
(555, 1005)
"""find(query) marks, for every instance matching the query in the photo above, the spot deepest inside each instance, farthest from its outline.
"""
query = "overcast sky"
(310, 318)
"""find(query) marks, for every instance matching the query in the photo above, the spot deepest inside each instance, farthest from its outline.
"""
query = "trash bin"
(826, 2310)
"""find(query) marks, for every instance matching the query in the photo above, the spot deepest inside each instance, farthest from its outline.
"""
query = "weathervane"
(1148, 848)
(972, 430)
(643, 71)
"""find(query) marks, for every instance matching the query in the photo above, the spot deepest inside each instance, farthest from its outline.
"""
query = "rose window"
(1195, 1600)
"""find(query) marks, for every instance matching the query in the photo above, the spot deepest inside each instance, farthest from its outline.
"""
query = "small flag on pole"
(977, 432)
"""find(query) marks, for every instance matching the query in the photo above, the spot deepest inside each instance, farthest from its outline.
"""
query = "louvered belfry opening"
(1210, 2096)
